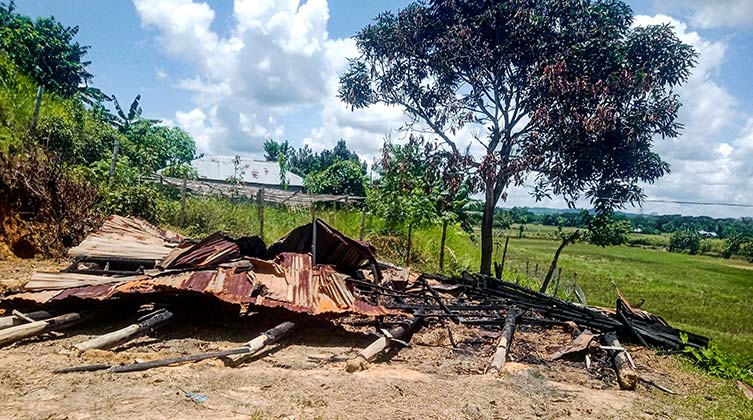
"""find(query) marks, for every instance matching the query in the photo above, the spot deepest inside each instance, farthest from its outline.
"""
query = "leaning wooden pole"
(627, 378)
(265, 339)
(32, 329)
(110, 340)
(378, 346)
(500, 355)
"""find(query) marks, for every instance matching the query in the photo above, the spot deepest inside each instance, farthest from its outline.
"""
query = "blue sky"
(236, 73)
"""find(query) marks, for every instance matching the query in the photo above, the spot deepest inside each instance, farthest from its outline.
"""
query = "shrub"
(685, 240)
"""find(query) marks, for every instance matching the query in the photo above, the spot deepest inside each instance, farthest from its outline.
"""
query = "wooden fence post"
(441, 247)
(557, 283)
(182, 196)
(410, 233)
(527, 263)
(504, 254)
(313, 234)
(37, 105)
(114, 163)
(363, 223)
(260, 205)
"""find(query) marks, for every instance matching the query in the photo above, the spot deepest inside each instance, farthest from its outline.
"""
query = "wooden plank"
(32, 329)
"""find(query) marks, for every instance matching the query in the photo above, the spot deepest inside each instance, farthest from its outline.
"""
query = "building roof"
(220, 168)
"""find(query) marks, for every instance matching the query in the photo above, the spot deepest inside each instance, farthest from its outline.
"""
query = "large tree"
(566, 94)
(45, 50)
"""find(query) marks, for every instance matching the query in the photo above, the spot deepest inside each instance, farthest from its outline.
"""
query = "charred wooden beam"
(13, 320)
(627, 378)
(265, 339)
(503, 346)
(110, 340)
(378, 346)
(32, 329)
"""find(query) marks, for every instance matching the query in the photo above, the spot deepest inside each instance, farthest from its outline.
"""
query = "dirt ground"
(304, 377)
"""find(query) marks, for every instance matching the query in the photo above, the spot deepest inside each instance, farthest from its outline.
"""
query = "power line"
(700, 203)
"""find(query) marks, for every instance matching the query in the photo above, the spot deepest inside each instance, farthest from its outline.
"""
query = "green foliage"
(687, 240)
(304, 161)
(420, 183)
(44, 49)
(342, 178)
(718, 363)
(603, 230)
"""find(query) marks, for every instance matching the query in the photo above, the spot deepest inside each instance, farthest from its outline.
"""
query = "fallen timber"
(13, 320)
(33, 329)
(123, 335)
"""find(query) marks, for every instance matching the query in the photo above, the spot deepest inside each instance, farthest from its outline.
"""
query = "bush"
(685, 240)
(342, 178)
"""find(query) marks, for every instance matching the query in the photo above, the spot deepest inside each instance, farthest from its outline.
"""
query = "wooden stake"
(363, 223)
(500, 355)
(504, 254)
(110, 340)
(268, 337)
(32, 329)
(627, 378)
(37, 105)
(441, 246)
(183, 198)
(260, 204)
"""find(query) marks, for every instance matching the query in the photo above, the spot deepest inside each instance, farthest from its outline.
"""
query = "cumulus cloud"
(715, 13)
(277, 61)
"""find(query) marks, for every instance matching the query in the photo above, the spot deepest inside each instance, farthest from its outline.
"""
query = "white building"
(252, 172)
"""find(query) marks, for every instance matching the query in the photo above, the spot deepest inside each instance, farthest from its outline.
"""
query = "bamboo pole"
(362, 233)
(313, 234)
(260, 204)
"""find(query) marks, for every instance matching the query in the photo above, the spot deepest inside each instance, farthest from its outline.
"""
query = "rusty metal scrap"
(212, 250)
(333, 248)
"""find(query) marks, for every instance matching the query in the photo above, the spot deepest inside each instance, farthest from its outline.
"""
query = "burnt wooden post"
(363, 223)
(441, 246)
(121, 336)
(527, 263)
(260, 205)
(626, 375)
(500, 355)
(557, 283)
(536, 270)
(33, 329)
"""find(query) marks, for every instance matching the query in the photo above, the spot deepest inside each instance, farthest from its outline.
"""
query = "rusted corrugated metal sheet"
(212, 250)
(289, 282)
(332, 247)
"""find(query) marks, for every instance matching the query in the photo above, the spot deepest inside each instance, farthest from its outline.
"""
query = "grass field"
(702, 294)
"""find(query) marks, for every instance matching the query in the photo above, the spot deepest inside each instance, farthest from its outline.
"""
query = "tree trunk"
(487, 230)
(570, 239)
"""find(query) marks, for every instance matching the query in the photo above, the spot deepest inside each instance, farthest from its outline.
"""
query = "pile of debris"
(314, 271)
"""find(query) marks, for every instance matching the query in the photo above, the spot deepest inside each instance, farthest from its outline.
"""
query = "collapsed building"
(313, 271)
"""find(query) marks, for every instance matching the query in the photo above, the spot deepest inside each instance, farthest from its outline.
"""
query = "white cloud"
(714, 13)
(277, 61)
